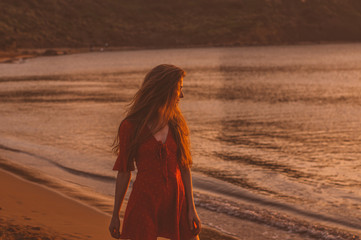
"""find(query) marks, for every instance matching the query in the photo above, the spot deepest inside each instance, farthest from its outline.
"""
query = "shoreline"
(46, 213)
(22, 54)
(50, 214)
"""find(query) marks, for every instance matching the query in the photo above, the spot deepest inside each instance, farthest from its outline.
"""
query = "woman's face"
(180, 90)
(179, 95)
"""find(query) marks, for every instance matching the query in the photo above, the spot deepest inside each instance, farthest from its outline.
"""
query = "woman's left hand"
(194, 221)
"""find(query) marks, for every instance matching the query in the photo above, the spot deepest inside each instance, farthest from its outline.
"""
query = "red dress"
(157, 205)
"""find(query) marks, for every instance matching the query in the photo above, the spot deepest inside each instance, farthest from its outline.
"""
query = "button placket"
(163, 155)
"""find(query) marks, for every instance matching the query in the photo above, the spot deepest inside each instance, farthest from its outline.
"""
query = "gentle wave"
(73, 171)
(236, 86)
(275, 94)
(273, 166)
(277, 219)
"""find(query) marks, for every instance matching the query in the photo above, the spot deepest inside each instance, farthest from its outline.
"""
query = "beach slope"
(30, 209)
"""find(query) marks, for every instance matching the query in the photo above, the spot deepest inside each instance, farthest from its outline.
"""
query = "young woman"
(154, 136)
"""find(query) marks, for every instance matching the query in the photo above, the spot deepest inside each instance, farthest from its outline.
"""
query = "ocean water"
(275, 131)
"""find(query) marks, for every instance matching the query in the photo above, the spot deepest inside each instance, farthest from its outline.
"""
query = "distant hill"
(175, 23)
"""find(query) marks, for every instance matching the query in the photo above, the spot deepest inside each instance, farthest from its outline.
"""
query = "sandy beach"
(31, 211)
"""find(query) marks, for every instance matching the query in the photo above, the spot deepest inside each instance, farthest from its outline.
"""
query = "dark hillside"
(175, 23)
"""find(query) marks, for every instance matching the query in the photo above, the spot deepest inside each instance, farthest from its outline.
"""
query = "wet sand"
(46, 213)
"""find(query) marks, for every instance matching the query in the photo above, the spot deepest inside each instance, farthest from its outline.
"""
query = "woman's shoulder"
(127, 125)
(127, 122)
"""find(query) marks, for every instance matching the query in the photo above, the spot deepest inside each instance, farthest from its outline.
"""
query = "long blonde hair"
(158, 91)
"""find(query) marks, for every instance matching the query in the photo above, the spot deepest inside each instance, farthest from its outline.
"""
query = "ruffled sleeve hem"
(121, 164)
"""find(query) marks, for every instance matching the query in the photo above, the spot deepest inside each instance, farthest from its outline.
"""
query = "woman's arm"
(192, 213)
(121, 187)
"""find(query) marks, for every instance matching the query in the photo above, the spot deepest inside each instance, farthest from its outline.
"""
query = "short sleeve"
(121, 163)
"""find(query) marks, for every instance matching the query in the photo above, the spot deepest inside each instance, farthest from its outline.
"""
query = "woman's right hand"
(114, 227)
